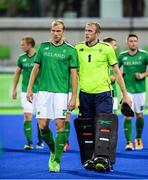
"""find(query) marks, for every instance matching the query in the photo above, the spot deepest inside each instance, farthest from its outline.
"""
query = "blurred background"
(20, 18)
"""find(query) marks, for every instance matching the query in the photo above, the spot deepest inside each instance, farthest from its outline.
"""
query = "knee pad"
(85, 134)
(106, 132)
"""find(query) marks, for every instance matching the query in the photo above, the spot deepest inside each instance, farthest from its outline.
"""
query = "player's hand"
(139, 76)
(127, 100)
(29, 96)
(72, 104)
(14, 94)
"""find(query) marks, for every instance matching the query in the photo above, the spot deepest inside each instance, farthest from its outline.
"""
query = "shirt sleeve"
(73, 59)
(147, 59)
(119, 61)
(19, 63)
(38, 57)
(112, 56)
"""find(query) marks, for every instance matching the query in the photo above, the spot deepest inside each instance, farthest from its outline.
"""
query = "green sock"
(47, 136)
(28, 130)
(128, 129)
(139, 127)
(39, 133)
(59, 146)
(67, 129)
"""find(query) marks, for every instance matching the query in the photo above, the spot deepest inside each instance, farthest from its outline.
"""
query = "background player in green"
(134, 62)
(55, 60)
(24, 65)
(95, 58)
(113, 43)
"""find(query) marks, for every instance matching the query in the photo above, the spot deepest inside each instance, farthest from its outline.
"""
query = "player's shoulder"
(142, 51)
(123, 53)
(68, 45)
(44, 44)
(22, 55)
(104, 44)
(82, 43)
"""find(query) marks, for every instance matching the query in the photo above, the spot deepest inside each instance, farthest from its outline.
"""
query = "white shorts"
(115, 103)
(51, 105)
(26, 105)
(138, 101)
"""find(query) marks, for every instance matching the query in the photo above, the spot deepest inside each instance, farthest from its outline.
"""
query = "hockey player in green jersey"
(134, 62)
(24, 65)
(55, 61)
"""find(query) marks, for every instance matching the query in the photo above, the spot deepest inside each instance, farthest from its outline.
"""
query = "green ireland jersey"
(26, 63)
(55, 63)
(132, 65)
(94, 64)
(113, 84)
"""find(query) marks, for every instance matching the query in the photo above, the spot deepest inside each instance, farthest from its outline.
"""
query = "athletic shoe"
(102, 164)
(40, 145)
(55, 167)
(28, 146)
(129, 146)
(138, 144)
(66, 147)
(89, 165)
(51, 160)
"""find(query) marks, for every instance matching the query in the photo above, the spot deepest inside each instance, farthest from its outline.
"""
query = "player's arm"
(112, 78)
(121, 83)
(74, 81)
(15, 82)
(32, 79)
(141, 75)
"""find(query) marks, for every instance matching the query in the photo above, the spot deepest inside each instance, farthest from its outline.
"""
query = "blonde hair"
(97, 25)
(57, 22)
(29, 40)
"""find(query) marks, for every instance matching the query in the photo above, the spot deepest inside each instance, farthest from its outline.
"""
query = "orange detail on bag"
(104, 130)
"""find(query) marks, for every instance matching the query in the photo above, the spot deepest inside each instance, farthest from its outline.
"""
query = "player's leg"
(84, 127)
(28, 110)
(85, 135)
(67, 131)
(106, 134)
(139, 100)
(44, 105)
(28, 130)
(106, 126)
(67, 126)
(115, 105)
(128, 128)
(40, 144)
(60, 111)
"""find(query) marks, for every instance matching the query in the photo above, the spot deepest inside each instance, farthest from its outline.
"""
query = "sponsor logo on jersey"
(52, 54)
(125, 58)
(81, 49)
(100, 50)
(24, 60)
(46, 48)
(130, 63)
(28, 64)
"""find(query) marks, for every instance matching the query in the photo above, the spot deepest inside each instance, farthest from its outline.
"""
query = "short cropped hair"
(97, 25)
(132, 35)
(108, 39)
(29, 40)
(57, 22)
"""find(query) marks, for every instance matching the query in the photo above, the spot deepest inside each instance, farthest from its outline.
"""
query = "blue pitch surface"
(17, 163)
